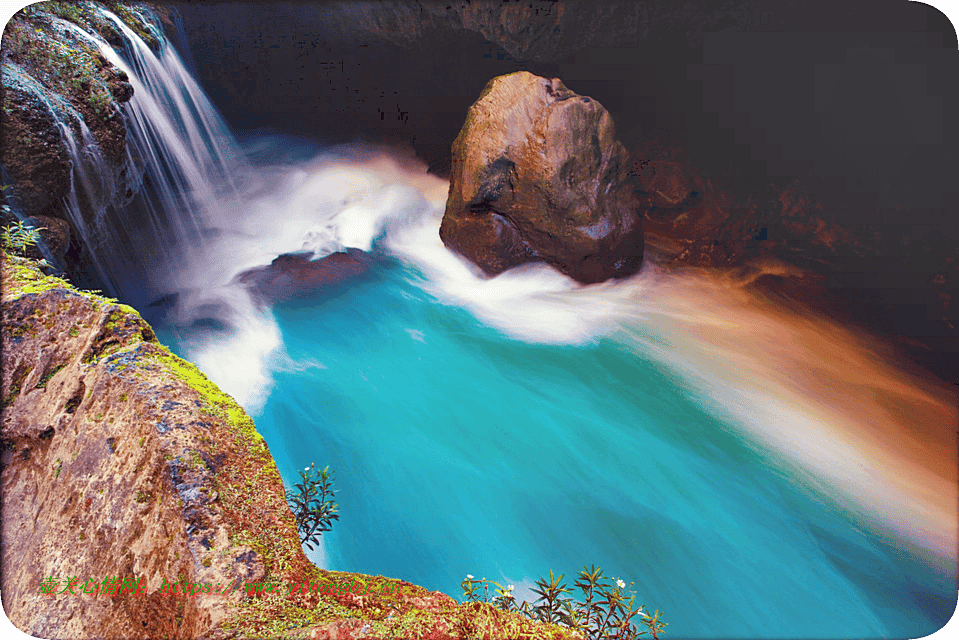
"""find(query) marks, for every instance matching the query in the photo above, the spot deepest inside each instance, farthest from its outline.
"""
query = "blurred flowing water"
(755, 472)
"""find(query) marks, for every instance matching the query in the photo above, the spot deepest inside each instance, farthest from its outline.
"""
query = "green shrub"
(19, 237)
(312, 504)
(605, 610)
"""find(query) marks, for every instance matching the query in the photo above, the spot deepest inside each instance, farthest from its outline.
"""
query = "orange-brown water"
(835, 401)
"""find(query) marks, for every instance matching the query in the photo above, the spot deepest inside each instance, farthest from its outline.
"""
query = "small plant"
(312, 504)
(605, 612)
(19, 237)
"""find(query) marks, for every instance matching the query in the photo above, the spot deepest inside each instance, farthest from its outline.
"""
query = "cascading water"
(181, 157)
(755, 472)
(93, 187)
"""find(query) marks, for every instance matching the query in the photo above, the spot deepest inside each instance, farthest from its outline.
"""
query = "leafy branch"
(312, 504)
(19, 236)
(605, 611)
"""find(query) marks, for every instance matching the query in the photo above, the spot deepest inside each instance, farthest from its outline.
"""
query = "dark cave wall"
(851, 98)
(842, 93)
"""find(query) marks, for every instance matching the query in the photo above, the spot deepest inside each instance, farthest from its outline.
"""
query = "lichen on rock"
(538, 175)
(59, 93)
(120, 459)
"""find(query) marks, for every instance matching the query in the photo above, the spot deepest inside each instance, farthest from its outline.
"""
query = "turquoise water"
(724, 458)
(458, 449)
(508, 427)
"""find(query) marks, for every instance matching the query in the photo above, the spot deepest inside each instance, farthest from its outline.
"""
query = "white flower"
(306, 469)
(620, 584)
(510, 588)
(469, 577)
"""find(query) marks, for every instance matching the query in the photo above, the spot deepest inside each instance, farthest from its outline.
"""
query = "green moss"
(218, 403)
(19, 375)
(133, 17)
(26, 278)
(282, 615)
(47, 376)
(65, 65)
(65, 10)
(59, 465)
(194, 459)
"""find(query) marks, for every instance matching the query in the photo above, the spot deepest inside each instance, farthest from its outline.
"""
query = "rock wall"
(60, 95)
(538, 175)
(122, 461)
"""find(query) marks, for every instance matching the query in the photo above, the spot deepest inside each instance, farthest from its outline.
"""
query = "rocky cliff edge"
(122, 461)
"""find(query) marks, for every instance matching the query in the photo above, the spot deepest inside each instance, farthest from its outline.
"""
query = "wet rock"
(543, 31)
(119, 83)
(296, 275)
(538, 175)
(31, 150)
(91, 489)
(54, 233)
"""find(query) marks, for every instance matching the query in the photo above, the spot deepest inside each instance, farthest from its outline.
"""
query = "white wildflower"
(620, 584)
(469, 577)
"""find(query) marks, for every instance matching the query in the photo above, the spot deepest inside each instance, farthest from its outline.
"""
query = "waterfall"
(744, 464)
(93, 186)
(180, 158)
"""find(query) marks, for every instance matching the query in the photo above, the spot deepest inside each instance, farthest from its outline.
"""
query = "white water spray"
(766, 371)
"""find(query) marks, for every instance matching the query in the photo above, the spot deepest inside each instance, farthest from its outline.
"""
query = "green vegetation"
(18, 238)
(312, 504)
(605, 611)
(218, 403)
(46, 377)
(68, 67)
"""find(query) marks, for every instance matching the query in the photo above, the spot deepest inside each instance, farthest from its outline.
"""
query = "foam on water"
(730, 454)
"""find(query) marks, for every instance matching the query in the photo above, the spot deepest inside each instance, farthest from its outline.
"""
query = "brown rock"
(546, 30)
(121, 461)
(118, 459)
(295, 275)
(31, 150)
(538, 175)
(341, 630)
(55, 233)
(434, 602)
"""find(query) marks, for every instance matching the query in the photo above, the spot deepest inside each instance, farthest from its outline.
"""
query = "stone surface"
(546, 30)
(31, 150)
(115, 466)
(121, 460)
(295, 275)
(898, 280)
(54, 232)
(538, 175)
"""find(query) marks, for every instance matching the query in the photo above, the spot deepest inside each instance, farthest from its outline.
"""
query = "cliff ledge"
(121, 460)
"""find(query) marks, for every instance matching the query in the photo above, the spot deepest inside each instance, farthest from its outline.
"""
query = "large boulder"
(538, 175)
